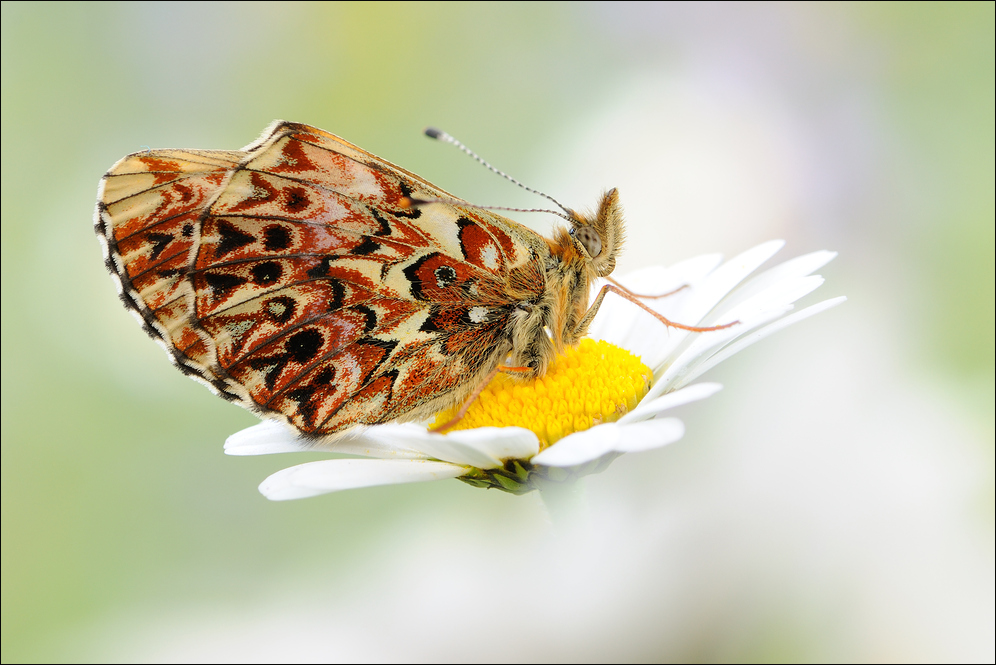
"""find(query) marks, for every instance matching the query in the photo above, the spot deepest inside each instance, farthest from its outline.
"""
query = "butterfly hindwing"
(292, 278)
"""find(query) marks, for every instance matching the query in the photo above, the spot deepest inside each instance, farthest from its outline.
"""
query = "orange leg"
(477, 393)
(514, 370)
(660, 317)
(640, 295)
(582, 327)
(466, 405)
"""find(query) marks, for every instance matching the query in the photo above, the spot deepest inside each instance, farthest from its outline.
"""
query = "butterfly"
(306, 279)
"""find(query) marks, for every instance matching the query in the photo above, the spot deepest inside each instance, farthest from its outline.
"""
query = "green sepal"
(521, 477)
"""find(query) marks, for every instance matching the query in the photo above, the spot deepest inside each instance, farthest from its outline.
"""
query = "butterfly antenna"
(440, 135)
(408, 202)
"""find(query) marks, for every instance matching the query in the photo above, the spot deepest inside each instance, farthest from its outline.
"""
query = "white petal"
(663, 343)
(699, 302)
(800, 266)
(617, 320)
(483, 447)
(776, 296)
(757, 335)
(654, 280)
(762, 308)
(580, 447)
(648, 435)
(314, 478)
(614, 322)
(670, 374)
(699, 349)
(266, 438)
(722, 280)
(499, 443)
(648, 409)
(632, 329)
(271, 436)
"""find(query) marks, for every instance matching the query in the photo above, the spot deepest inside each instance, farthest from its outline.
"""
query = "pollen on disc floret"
(592, 384)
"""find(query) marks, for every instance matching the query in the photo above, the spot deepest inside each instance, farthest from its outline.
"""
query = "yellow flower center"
(592, 384)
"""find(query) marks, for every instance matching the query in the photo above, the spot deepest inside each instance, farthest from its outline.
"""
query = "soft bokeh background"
(834, 502)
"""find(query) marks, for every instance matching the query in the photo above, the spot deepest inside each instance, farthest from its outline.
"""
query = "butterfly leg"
(640, 295)
(477, 393)
(582, 326)
(466, 405)
(515, 370)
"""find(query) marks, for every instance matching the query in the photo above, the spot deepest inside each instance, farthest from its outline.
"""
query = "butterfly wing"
(305, 289)
(148, 215)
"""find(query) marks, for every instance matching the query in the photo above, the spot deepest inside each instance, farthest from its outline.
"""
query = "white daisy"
(593, 405)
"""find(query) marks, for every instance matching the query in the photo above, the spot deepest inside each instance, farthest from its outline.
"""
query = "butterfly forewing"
(291, 278)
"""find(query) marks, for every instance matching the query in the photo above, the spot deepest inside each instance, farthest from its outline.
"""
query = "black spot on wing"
(446, 319)
(462, 224)
(305, 407)
(445, 276)
(303, 346)
(432, 322)
(411, 272)
(222, 282)
(276, 238)
(370, 317)
(266, 273)
(231, 239)
(379, 346)
(280, 309)
(159, 242)
(411, 213)
(296, 200)
(385, 226)
(338, 295)
(273, 366)
(321, 269)
(368, 246)
(325, 377)
(100, 226)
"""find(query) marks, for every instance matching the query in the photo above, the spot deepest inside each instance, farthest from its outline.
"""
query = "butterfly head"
(599, 235)
(580, 254)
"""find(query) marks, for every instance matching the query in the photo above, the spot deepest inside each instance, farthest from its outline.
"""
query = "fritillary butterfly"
(306, 279)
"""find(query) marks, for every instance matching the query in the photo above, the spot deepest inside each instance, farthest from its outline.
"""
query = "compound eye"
(589, 238)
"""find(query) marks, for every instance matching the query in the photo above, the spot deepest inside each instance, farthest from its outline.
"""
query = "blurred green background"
(834, 502)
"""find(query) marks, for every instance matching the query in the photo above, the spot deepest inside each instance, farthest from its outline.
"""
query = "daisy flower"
(595, 403)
